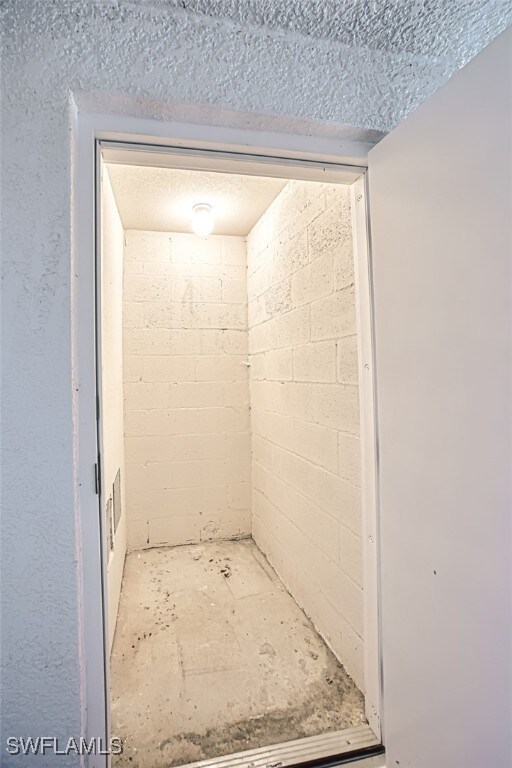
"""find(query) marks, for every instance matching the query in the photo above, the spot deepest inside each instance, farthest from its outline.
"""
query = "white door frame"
(256, 153)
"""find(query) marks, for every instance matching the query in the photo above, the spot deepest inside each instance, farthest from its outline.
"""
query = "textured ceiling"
(450, 29)
(161, 199)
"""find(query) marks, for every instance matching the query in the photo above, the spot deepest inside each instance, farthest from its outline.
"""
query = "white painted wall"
(307, 513)
(441, 197)
(186, 388)
(112, 418)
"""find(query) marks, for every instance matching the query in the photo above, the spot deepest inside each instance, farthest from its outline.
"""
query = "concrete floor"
(213, 656)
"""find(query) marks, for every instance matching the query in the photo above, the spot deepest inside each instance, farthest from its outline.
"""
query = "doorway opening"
(237, 456)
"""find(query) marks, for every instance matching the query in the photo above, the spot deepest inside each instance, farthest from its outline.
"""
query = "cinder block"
(347, 360)
(133, 314)
(315, 361)
(168, 368)
(147, 288)
(137, 533)
(299, 196)
(132, 368)
(234, 251)
(135, 423)
(135, 478)
(175, 530)
(281, 431)
(349, 458)
(262, 451)
(182, 269)
(288, 256)
(262, 337)
(321, 530)
(195, 289)
(344, 267)
(186, 474)
(185, 447)
(151, 503)
(338, 194)
(334, 316)
(303, 523)
(257, 311)
(295, 400)
(185, 341)
(147, 247)
(189, 249)
(157, 268)
(303, 218)
(339, 498)
(221, 368)
(255, 258)
(261, 235)
(238, 446)
(217, 316)
(216, 342)
(133, 267)
(335, 406)
(278, 299)
(238, 469)
(317, 444)
(278, 365)
(230, 524)
(258, 366)
(183, 421)
(235, 393)
(265, 394)
(314, 281)
(140, 396)
(195, 395)
(293, 328)
(351, 555)
(234, 291)
(331, 232)
(158, 315)
(239, 495)
(330, 623)
(236, 272)
(257, 283)
(146, 341)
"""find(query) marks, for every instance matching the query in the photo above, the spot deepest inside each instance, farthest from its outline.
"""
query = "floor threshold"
(297, 752)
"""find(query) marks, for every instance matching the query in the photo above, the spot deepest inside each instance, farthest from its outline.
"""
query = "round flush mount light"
(202, 219)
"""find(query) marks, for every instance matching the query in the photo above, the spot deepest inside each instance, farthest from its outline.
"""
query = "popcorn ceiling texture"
(307, 513)
(430, 28)
(161, 61)
(186, 389)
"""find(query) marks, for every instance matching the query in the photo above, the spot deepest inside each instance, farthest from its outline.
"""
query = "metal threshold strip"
(293, 753)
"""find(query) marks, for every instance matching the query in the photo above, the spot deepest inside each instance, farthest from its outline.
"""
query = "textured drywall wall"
(186, 388)
(112, 419)
(154, 60)
(307, 512)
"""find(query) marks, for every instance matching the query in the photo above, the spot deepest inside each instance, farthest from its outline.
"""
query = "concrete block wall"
(307, 510)
(186, 391)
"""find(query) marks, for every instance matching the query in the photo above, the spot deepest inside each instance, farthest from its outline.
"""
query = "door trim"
(369, 453)
(292, 156)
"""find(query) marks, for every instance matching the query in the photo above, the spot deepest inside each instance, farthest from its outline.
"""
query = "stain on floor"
(212, 656)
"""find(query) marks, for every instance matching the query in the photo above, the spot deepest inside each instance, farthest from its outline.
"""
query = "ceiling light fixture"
(202, 219)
